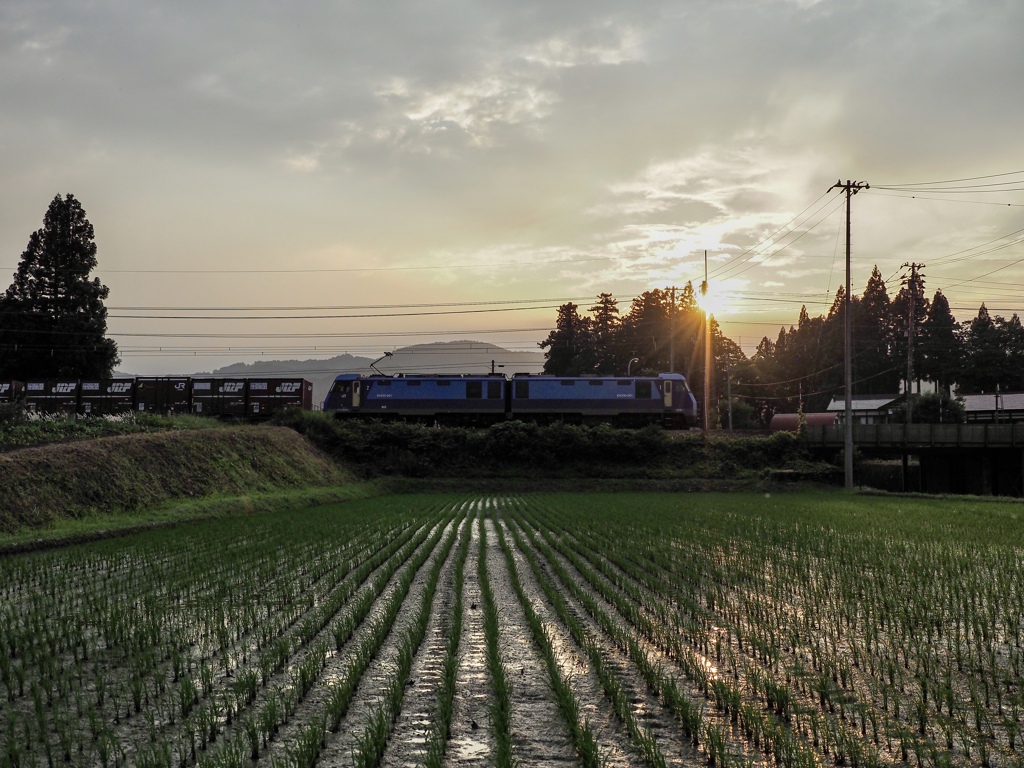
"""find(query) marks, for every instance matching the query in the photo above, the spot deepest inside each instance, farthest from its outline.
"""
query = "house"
(994, 407)
(866, 409)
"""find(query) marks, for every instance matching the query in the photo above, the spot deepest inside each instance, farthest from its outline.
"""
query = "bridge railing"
(920, 435)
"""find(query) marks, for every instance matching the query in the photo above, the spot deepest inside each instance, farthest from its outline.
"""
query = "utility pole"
(707, 348)
(672, 333)
(851, 188)
(912, 284)
(728, 388)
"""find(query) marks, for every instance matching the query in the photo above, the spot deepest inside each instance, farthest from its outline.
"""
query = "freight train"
(253, 398)
(664, 399)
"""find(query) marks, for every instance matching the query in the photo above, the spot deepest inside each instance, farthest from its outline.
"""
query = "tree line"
(802, 367)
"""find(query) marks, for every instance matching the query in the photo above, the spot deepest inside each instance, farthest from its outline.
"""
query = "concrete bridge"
(982, 459)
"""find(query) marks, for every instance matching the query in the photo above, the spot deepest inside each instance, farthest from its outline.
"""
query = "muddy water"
(737, 744)
(471, 742)
(611, 735)
(539, 733)
(339, 747)
(407, 746)
(647, 707)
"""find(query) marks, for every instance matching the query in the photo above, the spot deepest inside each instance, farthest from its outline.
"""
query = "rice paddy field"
(804, 629)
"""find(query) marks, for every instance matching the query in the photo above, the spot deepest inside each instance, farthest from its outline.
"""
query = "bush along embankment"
(519, 449)
(19, 429)
(136, 472)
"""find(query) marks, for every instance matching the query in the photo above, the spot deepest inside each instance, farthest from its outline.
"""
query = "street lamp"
(629, 366)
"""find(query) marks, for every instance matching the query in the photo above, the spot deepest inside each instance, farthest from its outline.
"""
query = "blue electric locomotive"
(485, 399)
(478, 399)
(624, 400)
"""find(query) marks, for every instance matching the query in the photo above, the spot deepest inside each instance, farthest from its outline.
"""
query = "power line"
(339, 269)
(954, 181)
(756, 250)
(946, 200)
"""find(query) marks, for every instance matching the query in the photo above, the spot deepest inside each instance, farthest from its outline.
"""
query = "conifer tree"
(53, 322)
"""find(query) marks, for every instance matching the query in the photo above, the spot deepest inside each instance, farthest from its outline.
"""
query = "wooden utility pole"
(707, 348)
(851, 188)
(728, 388)
(912, 285)
(672, 333)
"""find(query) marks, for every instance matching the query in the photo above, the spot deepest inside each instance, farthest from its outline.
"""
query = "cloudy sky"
(324, 166)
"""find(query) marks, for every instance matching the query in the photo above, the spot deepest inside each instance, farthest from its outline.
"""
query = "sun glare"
(714, 301)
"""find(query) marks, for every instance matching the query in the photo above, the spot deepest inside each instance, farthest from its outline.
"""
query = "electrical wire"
(517, 264)
(954, 181)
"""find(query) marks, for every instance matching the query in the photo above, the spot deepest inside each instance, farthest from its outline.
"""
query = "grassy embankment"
(86, 487)
(517, 451)
(76, 477)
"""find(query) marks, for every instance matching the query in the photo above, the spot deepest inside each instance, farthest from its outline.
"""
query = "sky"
(274, 180)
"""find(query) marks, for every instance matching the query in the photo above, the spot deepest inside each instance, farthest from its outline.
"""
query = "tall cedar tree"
(940, 345)
(605, 327)
(570, 348)
(52, 320)
(993, 354)
(873, 367)
(900, 325)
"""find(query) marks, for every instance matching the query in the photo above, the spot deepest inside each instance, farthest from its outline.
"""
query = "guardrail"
(920, 435)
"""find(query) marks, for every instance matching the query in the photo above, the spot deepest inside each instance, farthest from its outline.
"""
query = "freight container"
(11, 391)
(105, 397)
(52, 396)
(218, 397)
(163, 394)
(267, 396)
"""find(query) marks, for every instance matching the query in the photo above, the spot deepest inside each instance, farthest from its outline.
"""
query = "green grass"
(19, 431)
(76, 530)
(128, 474)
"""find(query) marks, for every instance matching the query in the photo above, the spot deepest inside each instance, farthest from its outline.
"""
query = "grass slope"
(129, 473)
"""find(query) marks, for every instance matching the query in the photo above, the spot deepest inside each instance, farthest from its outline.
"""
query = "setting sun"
(714, 300)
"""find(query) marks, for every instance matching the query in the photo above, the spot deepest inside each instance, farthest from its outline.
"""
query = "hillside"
(138, 472)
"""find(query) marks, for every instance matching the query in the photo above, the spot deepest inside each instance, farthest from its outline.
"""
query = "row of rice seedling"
(779, 733)
(664, 684)
(583, 737)
(710, 736)
(441, 723)
(179, 686)
(611, 682)
(501, 707)
(371, 745)
(840, 629)
(260, 730)
(284, 699)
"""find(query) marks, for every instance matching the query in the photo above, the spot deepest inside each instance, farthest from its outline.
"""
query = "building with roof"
(994, 407)
(866, 409)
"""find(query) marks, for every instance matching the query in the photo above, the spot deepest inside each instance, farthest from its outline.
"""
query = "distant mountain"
(440, 357)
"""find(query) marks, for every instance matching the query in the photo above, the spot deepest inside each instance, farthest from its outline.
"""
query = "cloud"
(475, 130)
